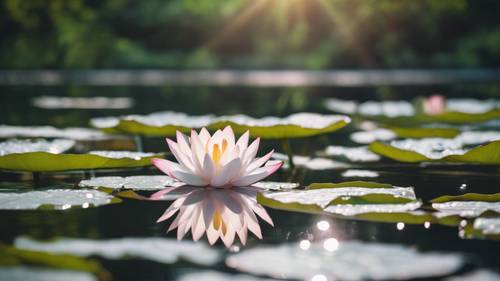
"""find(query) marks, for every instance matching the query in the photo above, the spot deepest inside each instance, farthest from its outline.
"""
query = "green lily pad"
(40, 161)
(133, 182)
(81, 134)
(468, 197)
(11, 257)
(161, 250)
(484, 154)
(407, 132)
(349, 198)
(167, 123)
(58, 199)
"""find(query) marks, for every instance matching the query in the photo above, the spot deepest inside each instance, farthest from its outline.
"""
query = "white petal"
(242, 142)
(190, 179)
(250, 152)
(257, 175)
(182, 158)
(259, 162)
(227, 173)
(208, 167)
(204, 136)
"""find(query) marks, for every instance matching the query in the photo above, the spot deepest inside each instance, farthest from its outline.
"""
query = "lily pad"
(468, 197)
(58, 199)
(166, 123)
(47, 157)
(211, 275)
(418, 132)
(310, 163)
(367, 137)
(324, 196)
(438, 150)
(22, 273)
(132, 182)
(162, 250)
(371, 108)
(25, 146)
(274, 185)
(81, 134)
(360, 174)
(354, 154)
(468, 209)
(352, 260)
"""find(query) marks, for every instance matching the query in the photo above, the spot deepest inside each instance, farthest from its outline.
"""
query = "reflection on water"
(219, 212)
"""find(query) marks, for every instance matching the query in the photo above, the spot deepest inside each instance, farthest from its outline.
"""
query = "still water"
(313, 244)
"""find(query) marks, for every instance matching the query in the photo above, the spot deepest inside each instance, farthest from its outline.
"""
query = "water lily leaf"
(21, 273)
(14, 257)
(133, 182)
(371, 199)
(166, 123)
(162, 250)
(468, 209)
(403, 132)
(461, 117)
(81, 134)
(484, 154)
(468, 197)
(354, 173)
(213, 275)
(367, 137)
(58, 199)
(310, 163)
(352, 260)
(365, 184)
(274, 185)
(50, 162)
(354, 154)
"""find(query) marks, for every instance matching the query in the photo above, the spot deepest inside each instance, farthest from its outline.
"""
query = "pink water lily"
(216, 160)
(224, 213)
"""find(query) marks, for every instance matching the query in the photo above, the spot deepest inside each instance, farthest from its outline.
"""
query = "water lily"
(216, 160)
(434, 105)
(219, 212)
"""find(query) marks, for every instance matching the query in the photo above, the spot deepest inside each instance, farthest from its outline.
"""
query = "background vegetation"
(273, 34)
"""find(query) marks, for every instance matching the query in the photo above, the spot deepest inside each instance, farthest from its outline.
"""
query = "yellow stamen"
(224, 145)
(224, 228)
(216, 154)
(217, 220)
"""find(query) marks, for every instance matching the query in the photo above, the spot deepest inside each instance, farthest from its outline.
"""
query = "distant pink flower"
(217, 161)
(219, 212)
(435, 104)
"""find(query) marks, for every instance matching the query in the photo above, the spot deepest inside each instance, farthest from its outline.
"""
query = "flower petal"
(166, 166)
(257, 175)
(182, 158)
(189, 178)
(242, 142)
(250, 152)
(227, 173)
(259, 162)
(204, 136)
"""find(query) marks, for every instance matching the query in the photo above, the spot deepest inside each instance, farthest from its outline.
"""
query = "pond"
(382, 191)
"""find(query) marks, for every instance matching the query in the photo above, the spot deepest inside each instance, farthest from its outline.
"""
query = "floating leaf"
(211, 275)
(14, 257)
(468, 209)
(404, 132)
(81, 134)
(162, 250)
(354, 154)
(59, 199)
(274, 185)
(50, 162)
(360, 174)
(367, 137)
(25, 146)
(21, 273)
(488, 226)
(468, 197)
(310, 163)
(485, 154)
(132, 182)
(352, 260)
(166, 123)
(364, 184)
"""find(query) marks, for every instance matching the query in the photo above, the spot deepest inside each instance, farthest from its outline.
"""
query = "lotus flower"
(435, 104)
(220, 212)
(217, 161)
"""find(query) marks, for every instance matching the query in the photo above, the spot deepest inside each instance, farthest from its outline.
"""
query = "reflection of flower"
(434, 105)
(220, 212)
(217, 160)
